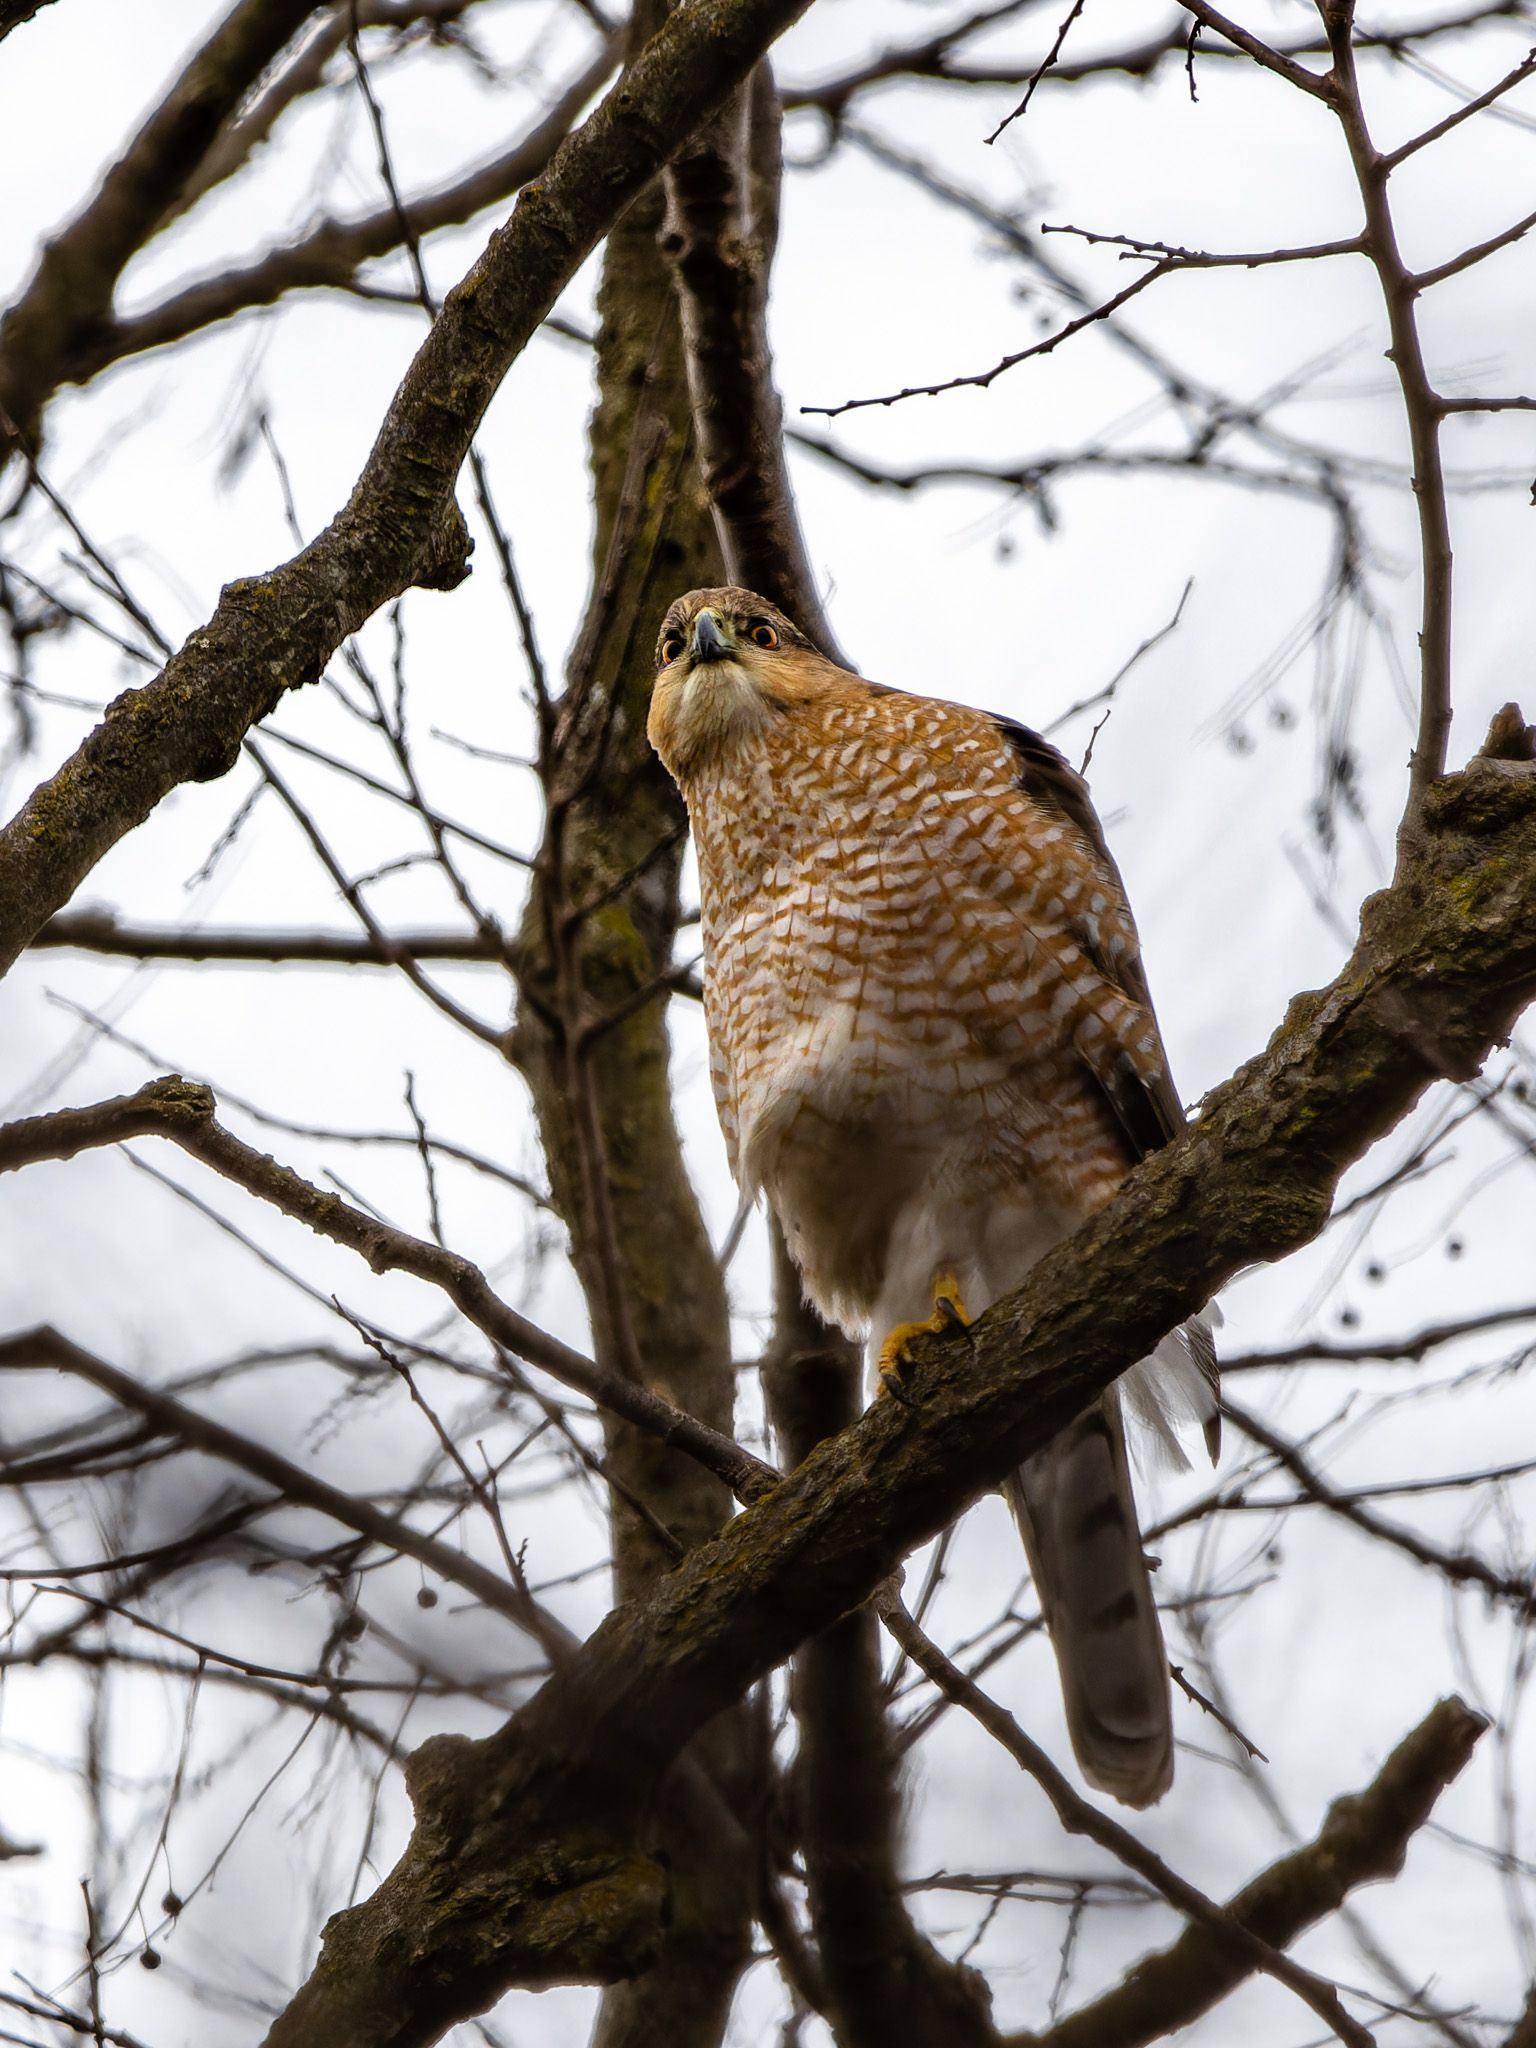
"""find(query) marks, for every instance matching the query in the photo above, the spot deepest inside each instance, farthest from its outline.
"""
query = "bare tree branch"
(932, 57)
(1077, 1816)
(1363, 1839)
(332, 256)
(1411, 1349)
(1483, 100)
(71, 289)
(1478, 253)
(980, 379)
(301, 73)
(100, 931)
(1399, 289)
(1461, 1568)
(934, 60)
(182, 1112)
(525, 1842)
(47, 1348)
(1255, 47)
(400, 527)
(721, 228)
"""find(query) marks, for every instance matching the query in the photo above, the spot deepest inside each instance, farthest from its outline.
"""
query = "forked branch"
(182, 1111)
(547, 1811)
(1227, 1944)
(400, 527)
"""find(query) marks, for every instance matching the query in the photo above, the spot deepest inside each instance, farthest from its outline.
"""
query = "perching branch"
(533, 1830)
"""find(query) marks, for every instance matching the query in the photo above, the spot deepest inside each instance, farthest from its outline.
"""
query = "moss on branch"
(1431, 985)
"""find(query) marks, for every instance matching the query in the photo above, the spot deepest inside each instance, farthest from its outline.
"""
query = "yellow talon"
(949, 1313)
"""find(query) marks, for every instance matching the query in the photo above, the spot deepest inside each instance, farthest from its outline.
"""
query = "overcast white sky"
(1206, 770)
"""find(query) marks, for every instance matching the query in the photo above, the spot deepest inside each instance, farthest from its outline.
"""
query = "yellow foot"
(949, 1313)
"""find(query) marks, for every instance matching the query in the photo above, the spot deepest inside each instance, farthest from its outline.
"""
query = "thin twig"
(1078, 1817)
(1046, 63)
(174, 1109)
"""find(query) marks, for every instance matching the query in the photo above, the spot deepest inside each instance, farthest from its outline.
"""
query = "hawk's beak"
(713, 640)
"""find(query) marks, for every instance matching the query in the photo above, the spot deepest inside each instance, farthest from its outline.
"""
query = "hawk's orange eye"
(671, 648)
(761, 632)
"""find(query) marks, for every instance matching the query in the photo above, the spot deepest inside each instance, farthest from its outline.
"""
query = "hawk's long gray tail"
(1077, 1515)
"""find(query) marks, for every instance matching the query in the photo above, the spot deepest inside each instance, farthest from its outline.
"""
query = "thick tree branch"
(536, 1826)
(400, 527)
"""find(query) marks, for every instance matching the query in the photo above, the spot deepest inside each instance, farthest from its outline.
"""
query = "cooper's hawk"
(934, 1051)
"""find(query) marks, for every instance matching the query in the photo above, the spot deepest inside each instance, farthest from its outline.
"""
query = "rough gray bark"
(614, 836)
(722, 228)
(883, 1981)
(524, 1865)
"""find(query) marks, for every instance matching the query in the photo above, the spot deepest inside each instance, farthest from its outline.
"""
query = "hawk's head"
(726, 661)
